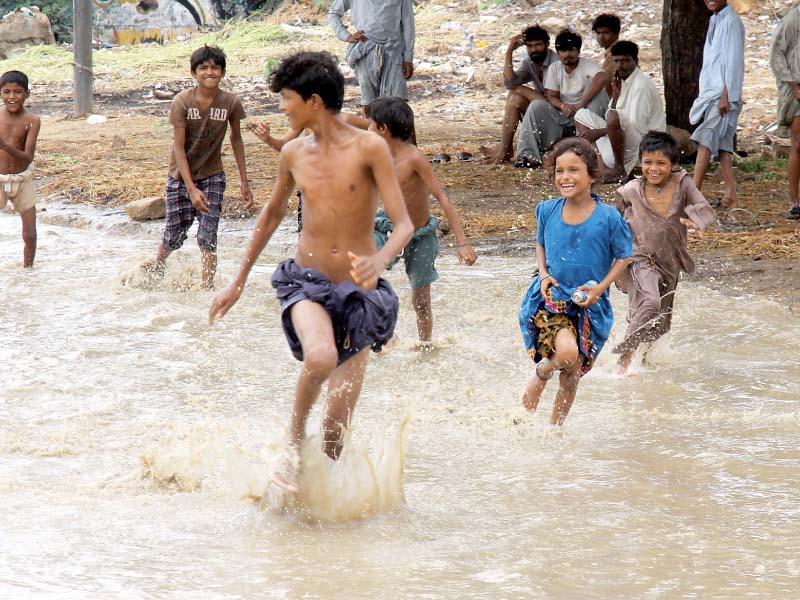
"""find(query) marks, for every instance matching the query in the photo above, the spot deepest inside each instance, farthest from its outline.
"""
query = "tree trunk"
(683, 34)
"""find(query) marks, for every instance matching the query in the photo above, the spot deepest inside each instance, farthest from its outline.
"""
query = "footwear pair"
(794, 213)
(527, 162)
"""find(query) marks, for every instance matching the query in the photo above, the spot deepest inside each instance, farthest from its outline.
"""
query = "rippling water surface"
(134, 439)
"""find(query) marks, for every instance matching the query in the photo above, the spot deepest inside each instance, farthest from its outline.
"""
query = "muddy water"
(135, 441)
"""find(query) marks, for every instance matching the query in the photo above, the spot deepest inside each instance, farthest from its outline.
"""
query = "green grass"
(247, 43)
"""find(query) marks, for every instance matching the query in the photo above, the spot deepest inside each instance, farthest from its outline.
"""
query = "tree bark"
(683, 34)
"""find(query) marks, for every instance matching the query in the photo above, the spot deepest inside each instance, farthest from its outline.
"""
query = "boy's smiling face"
(298, 112)
(209, 74)
(656, 167)
(14, 96)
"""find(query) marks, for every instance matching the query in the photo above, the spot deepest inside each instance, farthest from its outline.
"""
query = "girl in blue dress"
(579, 239)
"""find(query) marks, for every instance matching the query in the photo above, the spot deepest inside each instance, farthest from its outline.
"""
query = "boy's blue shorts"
(419, 254)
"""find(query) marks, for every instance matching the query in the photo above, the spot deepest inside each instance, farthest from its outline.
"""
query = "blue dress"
(576, 254)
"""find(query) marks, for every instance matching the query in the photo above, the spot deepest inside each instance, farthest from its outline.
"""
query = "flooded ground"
(132, 437)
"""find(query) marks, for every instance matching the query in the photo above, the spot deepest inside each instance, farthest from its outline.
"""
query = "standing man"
(785, 61)
(533, 70)
(636, 108)
(720, 100)
(571, 84)
(381, 51)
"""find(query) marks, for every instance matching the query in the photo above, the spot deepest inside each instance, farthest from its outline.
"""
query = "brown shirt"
(662, 240)
(205, 131)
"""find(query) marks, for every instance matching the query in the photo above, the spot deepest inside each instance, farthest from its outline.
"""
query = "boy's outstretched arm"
(238, 152)
(31, 137)
(262, 132)
(466, 254)
(367, 269)
(271, 216)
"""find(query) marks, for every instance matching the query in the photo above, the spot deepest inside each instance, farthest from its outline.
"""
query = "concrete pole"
(82, 56)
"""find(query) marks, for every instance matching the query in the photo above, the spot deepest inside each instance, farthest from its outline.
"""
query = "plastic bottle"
(580, 296)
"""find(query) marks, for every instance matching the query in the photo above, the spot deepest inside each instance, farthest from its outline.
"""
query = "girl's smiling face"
(572, 176)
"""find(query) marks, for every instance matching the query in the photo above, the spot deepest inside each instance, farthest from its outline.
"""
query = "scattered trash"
(96, 119)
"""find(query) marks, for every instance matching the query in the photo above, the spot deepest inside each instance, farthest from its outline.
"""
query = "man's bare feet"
(285, 474)
(495, 155)
(535, 387)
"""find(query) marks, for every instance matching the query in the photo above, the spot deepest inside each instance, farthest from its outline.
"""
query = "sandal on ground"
(794, 213)
(715, 203)
(441, 158)
(527, 162)
(285, 474)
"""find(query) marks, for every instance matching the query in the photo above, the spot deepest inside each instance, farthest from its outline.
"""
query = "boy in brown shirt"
(196, 181)
(19, 130)
(335, 307)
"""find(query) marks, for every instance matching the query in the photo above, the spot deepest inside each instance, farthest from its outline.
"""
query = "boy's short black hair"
(607, 20)
(309, 73)
(207, 53)
(566, 40)
(580, 147)
(394, 113)
(17, 77)
(659, 141)
(534, 33)
(624, 48)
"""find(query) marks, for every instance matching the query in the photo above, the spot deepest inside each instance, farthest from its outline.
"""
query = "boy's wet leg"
(421, 298)
(29, 236)
(344, 387)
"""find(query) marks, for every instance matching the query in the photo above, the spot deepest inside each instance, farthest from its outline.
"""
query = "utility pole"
(82, 57)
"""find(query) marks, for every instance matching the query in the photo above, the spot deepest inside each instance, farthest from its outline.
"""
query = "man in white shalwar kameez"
(718, 106)
(636, 108)
(785, 61)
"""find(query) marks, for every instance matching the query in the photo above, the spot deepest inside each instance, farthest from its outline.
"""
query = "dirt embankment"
(458, 98)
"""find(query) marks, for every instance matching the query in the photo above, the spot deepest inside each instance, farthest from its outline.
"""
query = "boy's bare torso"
(339, 201)
(14, 130)
(415, 192)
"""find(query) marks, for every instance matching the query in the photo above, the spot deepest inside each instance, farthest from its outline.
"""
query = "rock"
(164, 94)
(685, 145)
(117, 142)
(147, 209)
(24, 28)
(553, 24)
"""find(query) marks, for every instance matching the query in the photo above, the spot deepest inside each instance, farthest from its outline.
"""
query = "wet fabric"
(181, 213)
(784, 59)
(419, 254)
(660, 253)
(205, 130)
(529, 73)
(549, 325)
(361, 318)
(19, 189)
(723, 64)
(575, 254)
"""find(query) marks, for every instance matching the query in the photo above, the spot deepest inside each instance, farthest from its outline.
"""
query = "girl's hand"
(594, 293)
(545, 283)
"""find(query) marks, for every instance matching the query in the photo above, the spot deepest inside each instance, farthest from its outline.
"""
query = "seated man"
(572, 84)
(636, 108)
(605, 28)
(532, 70)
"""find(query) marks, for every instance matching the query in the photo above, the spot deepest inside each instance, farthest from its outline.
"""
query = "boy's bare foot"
(624, 363)
(728, 202)
(285, 474)
(495, 155)
(535, 387)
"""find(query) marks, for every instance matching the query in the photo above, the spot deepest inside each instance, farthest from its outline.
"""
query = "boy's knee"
(319, 361)
(29, 236)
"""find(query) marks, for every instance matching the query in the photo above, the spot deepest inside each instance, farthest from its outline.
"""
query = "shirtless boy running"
(335, 307)
(19, 130)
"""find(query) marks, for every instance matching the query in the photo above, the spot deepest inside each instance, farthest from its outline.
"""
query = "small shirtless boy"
(19, 130)
(393, 120)
(335, 307)
(196, 182)
(659, 208)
